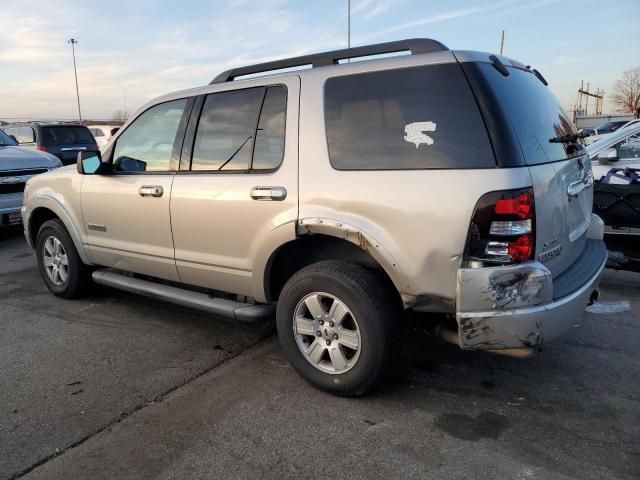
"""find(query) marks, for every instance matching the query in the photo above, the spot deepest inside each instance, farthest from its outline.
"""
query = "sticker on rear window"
(413, 133)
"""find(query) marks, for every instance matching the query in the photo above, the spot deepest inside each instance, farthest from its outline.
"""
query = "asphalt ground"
(118, 386)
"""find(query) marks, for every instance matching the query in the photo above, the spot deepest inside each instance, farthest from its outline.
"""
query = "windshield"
(609, 127)
(5, 140)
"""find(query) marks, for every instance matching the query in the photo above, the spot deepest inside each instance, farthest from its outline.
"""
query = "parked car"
(64, 140)
(103, 133)
(616, 166)
(340, 196)
(606, 129)
(17, 165)
(619, 150)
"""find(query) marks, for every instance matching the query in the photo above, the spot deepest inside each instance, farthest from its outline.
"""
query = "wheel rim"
(54, 260)
(327, 333)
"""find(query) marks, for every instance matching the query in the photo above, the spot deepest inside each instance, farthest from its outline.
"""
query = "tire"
(365, 316)
(54, 245)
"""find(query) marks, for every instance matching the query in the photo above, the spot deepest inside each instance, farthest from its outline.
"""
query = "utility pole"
(73, 42)
(502, 42)
(348, 27)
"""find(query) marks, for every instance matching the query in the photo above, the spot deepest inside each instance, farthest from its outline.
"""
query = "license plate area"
(13, 218)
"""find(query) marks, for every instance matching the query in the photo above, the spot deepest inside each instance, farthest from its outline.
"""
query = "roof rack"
(414, 45)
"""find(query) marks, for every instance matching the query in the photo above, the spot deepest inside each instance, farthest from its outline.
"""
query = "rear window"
(410, 118)
(534, 113)
(67, 135)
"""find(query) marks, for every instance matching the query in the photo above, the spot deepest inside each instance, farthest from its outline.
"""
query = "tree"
(120, 116)
(626, 91)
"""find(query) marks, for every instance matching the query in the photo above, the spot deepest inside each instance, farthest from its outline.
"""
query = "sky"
(129, 52)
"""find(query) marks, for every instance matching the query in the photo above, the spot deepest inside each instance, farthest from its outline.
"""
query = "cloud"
(443, 16)
(139, 50)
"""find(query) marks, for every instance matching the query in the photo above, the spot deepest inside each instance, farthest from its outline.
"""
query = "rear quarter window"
(409, 118)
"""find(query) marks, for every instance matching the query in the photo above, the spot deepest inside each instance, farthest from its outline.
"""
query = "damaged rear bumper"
(514, 306)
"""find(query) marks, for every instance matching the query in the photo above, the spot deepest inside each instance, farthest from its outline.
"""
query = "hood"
(18, 158)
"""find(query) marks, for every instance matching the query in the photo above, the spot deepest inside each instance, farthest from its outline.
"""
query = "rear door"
(560, 171)
(238, 182)
(65, 141)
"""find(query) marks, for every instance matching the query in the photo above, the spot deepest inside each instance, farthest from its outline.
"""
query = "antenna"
(502, 42)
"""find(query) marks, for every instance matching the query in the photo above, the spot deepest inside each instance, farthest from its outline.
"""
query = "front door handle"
(151, 191)
(269, 193)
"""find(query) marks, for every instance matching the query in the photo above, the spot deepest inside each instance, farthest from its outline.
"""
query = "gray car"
(17, 165)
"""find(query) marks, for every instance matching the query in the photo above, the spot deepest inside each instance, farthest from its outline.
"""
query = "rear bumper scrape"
(513, 307)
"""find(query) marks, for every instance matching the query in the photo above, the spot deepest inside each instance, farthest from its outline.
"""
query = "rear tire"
(60, 266)
(338, 326)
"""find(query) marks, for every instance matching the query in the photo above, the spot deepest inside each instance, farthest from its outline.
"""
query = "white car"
(609, 128)
(103, 133)
(619, 149)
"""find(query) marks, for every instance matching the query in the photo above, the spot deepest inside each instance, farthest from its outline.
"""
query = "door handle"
(585, 181)
(269, 193)
(150, 191)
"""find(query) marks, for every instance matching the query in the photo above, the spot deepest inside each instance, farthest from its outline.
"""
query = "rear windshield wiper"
(571, 138)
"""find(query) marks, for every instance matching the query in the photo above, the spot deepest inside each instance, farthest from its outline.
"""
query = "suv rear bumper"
(522, 310)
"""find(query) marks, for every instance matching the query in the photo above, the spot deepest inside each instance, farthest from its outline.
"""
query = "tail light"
(502, 229)
(42, 148)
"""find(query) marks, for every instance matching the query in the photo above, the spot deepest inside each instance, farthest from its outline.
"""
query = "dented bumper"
(514, 306)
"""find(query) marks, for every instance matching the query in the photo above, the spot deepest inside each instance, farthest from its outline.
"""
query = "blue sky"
(131, 51)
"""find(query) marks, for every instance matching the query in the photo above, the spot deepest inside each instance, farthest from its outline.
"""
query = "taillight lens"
(42, 148)
(502, 229)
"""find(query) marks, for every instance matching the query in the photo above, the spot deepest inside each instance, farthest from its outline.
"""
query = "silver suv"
(338, 196)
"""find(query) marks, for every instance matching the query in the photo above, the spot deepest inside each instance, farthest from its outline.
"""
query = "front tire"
(60, 266)
(338, 326)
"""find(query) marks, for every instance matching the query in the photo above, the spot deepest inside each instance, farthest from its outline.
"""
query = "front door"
(238, 183)
(126, 212)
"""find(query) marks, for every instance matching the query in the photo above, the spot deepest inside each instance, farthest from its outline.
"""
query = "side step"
(244, 312)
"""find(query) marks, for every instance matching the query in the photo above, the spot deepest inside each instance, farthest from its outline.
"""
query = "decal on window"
(413, 133)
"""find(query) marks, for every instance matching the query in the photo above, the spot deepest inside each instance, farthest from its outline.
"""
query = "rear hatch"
(560, 170)
(65, 141)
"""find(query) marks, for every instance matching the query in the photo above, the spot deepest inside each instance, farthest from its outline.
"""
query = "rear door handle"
(151, 191)
(269, 193)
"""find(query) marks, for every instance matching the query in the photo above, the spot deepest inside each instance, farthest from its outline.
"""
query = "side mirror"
(608, 155)
(128, 164)
(13, 137)
(89, 163)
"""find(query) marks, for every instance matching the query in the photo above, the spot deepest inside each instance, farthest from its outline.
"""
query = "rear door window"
(67, 136)
(241, 130)
(225, 132)
(409, 118)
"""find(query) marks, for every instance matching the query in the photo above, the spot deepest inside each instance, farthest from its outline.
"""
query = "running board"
(244, 312)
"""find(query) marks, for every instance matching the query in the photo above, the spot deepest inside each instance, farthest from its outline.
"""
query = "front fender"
(53, 202)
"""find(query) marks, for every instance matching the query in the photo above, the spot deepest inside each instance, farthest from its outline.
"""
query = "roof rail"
(414, 45)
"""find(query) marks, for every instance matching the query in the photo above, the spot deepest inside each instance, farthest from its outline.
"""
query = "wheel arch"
(321, 239)
(46, 209)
